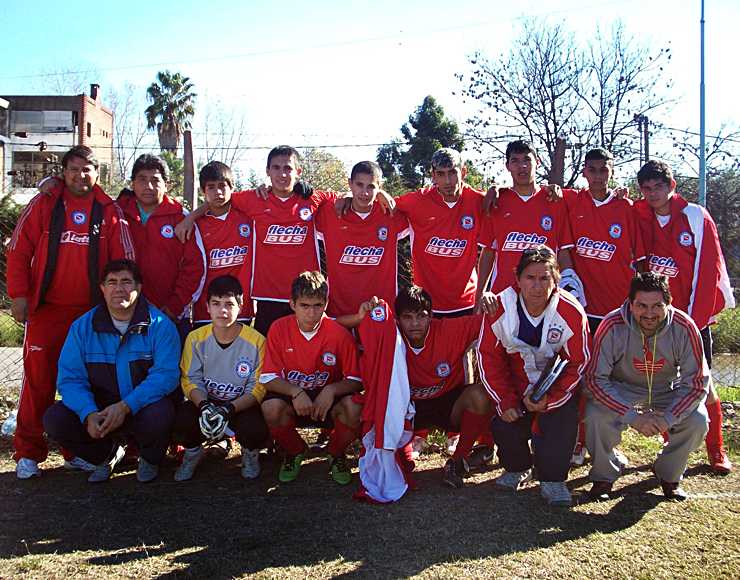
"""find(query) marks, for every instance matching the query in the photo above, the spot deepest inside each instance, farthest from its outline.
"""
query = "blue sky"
(329, 73)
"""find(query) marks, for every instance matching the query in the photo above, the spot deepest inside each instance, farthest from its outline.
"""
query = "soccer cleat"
(556, 493)
(291, 466)
(621, 458)
(78, 464)
(671, 490)
(480, 456)
(250, 463)
(452, 444)
(512, 480)
(146, 471)
(189, 465)
(340, 471)
(103, 471)
(579, 455)
(26, 468)
(455, 471)
(718, 460)
(600, 490)
(418, 446)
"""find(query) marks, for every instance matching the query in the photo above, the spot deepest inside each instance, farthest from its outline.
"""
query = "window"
(42, 122)
(33, 166)
(89, 130)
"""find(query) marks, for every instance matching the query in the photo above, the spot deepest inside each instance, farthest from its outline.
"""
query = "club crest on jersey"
(378, 314)
(292, 235)
(467, 222)
(660, 265)
(517, 241)
(382, 233)
(243, 369)
(554, 334)
(546, 222)
(329, 358)
(443, 369)
(167, 231)
(244, 230)
(305, 214)
(685, 239)
(446, 248)
(615, 231)
(79, 217)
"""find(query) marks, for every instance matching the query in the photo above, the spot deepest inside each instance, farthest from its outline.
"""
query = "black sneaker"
(480, 455)
(600, 490)
(455, 471)
(670, 489)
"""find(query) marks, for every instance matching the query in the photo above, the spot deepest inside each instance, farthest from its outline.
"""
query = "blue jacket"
(98, 367)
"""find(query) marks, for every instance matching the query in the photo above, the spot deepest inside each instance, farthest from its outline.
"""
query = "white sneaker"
(621, 458)
(188, 465)
(103, 471)
(250, 463)
(146, 471)
(556, 493)
(26, 468)
(579, 455)
(78, 464)
(452, 444)
(512, 480)
(418, 446)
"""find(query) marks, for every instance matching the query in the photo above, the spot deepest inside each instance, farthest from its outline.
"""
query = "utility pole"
(188, 185)
(642, 129)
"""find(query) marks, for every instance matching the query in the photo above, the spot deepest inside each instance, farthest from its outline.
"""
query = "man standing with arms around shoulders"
(649, 354)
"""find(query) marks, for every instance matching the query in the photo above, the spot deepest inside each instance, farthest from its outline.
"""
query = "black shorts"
(306, 421)
(706, 341)
(458, 314)
(593, 324)
(436, 412)
(268, 311)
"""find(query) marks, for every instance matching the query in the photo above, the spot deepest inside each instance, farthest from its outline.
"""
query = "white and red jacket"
(173, 273)
(687, 250)
(508, 365)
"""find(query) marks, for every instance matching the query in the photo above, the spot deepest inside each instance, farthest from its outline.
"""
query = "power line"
(401, 35)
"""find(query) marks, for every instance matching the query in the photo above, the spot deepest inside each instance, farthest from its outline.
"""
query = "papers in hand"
(548, 376)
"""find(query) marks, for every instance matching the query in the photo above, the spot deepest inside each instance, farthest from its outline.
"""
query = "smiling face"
(309, 312)
(149, 188)
(658, 194)
(364, 189)
(121, 292)
(523, 167)
(598, 172)
(80, 177)
(649, 310)
(283, 172)
(414, 326)
(449, 181)
(537, 285)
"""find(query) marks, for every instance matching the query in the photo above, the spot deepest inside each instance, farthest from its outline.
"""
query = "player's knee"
(274, 410)
(348, 412)
(479, 401)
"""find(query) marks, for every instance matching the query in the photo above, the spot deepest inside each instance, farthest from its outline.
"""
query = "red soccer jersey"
(439, 366)
(516, 225)
(361, 256)
(608, 244)
(444, 245)
(329, 356)
(284, 240)
(228, 245)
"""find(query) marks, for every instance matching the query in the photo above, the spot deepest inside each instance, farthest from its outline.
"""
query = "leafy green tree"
(323, 171)
(427, 131)
(172, 108)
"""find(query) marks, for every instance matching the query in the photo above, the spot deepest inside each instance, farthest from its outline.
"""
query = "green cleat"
(340, 471)
(291, 466)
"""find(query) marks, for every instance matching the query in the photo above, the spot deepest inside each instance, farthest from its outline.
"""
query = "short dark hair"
(215, 171)
(650, 282)
(520, 146)
(539, 255)
(599, 154)
(286, 150)
(412, 299)
(83, 153)
(149, 162)
(121, 265)
(309, 284)
(447, 157)
(226, 285)
(656, 169)
(367, 168)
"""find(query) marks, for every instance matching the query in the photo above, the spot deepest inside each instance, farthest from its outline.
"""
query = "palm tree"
(172, 105)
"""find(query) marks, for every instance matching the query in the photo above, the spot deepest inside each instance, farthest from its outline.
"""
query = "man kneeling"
(219, 373)
(650, 354)
(311, 372)
(117, 368)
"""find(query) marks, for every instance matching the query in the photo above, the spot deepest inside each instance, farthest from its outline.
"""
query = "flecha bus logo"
(661, 265)
(362, 256)
(446, 248)
(597, 250)
(224, 257)
(288, 235)
(518, 241)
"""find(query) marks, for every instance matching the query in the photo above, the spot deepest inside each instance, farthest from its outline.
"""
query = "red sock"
(714, 437)
(404, 459)
(471, 425)
(485, 437)
(289, 438)
(341, 438)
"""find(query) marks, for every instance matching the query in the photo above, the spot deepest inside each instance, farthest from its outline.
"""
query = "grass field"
(219, 526)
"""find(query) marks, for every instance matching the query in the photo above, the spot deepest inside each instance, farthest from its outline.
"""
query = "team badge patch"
(244, 230)
(615, 231)
(382, 233)
(467, 222)
(546, 222)
(554, 335)
(685, 239)
(79, 217)
(329, 358)
(305, 214)
(378, 314)
(167, 231)
(243, 369)
(443, 369)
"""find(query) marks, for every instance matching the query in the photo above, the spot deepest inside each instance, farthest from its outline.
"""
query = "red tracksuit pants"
(46, 332)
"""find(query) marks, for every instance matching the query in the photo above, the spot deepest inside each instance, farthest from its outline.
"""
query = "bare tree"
(225, 135)
(71, 76)
(129, 126)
